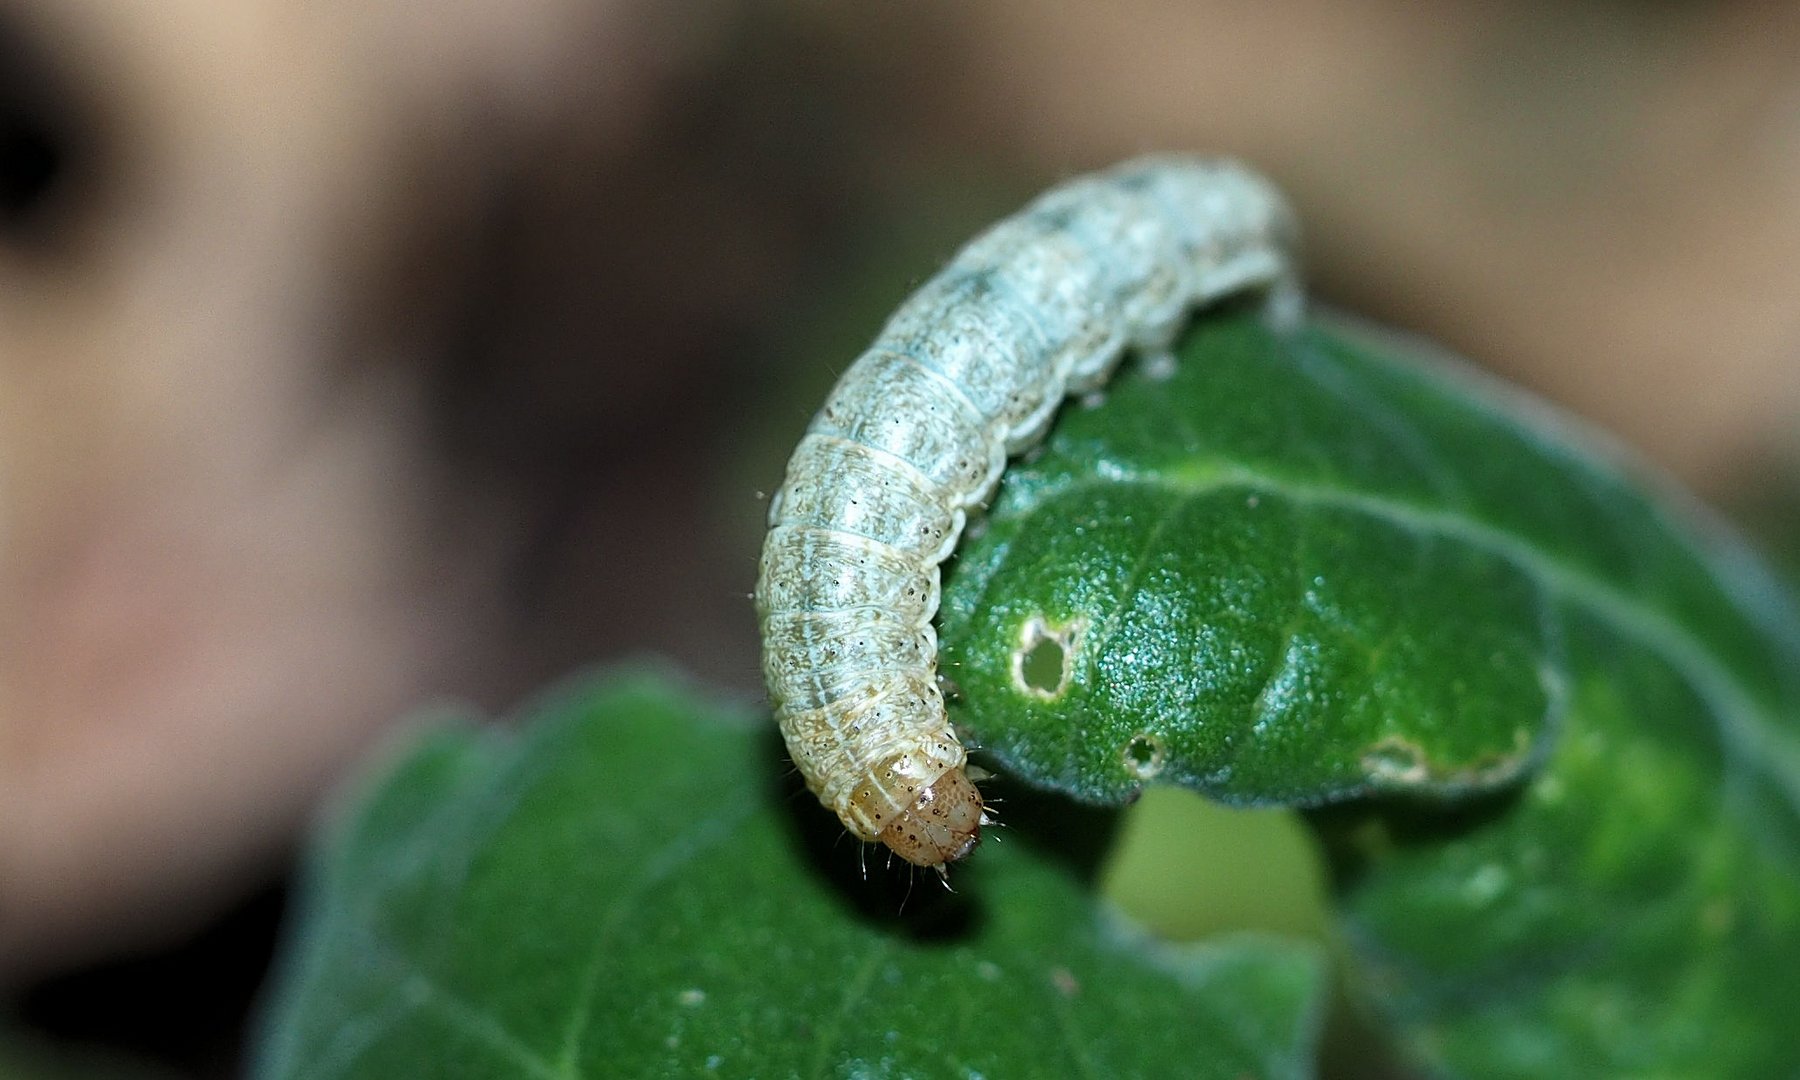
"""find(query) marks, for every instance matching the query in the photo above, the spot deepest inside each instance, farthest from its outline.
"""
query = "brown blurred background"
(359, 355)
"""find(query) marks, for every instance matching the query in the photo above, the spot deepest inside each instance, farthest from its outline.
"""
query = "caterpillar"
(913, 439)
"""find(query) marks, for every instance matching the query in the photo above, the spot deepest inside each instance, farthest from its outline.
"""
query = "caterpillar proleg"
(914, 437)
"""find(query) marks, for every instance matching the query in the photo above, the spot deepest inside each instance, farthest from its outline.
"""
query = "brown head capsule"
(942, 825)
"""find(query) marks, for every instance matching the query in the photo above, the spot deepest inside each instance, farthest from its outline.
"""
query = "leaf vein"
(681, 850)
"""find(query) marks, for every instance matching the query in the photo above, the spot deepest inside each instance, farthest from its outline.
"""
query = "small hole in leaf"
(1396, 760)
(1042, 667)
(1144, 756)
(1045, 657)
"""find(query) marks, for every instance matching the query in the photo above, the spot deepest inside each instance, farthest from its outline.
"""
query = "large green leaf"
(1547, 721)
(632, 887)
(1300, 570)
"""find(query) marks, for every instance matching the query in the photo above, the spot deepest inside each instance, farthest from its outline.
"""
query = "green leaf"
(632, 887)
(1303, 570)
(1547, 721)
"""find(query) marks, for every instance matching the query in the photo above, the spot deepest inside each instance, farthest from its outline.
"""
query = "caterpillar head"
(941, 826)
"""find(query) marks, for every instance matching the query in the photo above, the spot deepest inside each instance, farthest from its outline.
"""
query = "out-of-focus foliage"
(631, 889)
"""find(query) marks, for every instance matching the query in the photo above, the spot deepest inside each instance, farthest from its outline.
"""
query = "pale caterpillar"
(915, 435)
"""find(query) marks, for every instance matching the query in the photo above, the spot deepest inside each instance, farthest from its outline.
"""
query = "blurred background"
(355, 356)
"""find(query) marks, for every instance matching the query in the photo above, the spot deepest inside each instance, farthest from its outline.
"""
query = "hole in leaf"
(1044, 660)
(1144, 756)
(1042, 667)
(1189, 869)
(1396, 759)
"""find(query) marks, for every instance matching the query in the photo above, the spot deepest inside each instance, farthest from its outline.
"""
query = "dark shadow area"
(1357, 1044)
(186, 1007)
(48, 142)
(881, 888)
(1073, 835)
(1400, 822)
